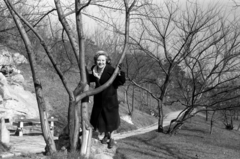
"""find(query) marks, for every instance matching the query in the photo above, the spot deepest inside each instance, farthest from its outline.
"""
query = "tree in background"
(211, 64)
(137, 67)
(159, 39)
(184, 45)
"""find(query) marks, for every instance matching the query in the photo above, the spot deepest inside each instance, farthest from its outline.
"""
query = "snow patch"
(127, 118)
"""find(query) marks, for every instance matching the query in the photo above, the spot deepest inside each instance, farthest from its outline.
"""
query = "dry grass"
(192, 142)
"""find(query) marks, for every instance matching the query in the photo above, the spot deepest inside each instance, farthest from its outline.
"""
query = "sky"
(90, 25)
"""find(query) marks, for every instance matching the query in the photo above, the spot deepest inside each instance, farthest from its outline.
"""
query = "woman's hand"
(120, 67)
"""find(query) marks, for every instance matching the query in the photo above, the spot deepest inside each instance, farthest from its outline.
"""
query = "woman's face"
(101, 61)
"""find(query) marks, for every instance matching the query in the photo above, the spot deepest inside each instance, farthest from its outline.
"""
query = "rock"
(4, 92)
(19, 59)
(17, 78)
(5, 58)
(6, 70)
(15, 101)
(23, 102)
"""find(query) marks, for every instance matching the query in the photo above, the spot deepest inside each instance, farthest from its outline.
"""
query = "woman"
(105, 113)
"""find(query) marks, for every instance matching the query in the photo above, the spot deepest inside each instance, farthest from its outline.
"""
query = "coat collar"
(104, 74)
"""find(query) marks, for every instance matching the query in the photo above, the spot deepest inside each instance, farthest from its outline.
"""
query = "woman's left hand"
(119, 71)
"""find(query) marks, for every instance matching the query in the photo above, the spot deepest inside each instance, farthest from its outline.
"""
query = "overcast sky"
(90, 25)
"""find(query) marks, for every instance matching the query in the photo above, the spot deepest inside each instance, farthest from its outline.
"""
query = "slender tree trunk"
(211, 123)
(71, 118)
(74, 43)
(142, 98)
(50, 144)
(148, 96)
(206, 113)
(125, 96)
(129, 110)
(133, 100)
(180, 120)
(160, 118)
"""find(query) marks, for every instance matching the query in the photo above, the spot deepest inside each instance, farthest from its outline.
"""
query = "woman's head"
(101, 59)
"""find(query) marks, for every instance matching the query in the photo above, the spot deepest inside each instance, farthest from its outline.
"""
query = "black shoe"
(110, 143)
(104, 140)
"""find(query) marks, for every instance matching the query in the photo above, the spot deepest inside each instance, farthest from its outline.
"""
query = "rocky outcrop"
(15, 101)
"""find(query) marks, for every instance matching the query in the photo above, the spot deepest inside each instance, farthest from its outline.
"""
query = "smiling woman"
(105, 113)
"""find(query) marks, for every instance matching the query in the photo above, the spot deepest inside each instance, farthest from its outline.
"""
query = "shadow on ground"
(193, 141)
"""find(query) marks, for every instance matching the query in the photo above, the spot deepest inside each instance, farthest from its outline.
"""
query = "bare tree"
(136, 67)
(178, 40)
(159, 41)
(211, 64)
(37, 84)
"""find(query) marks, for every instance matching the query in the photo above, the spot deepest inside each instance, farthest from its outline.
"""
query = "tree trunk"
(50, 144)
(125, 96)
(133, 100)
(86, 126)
(148, 96)
(206, 113)
(142, 98)
(129, 110)
(87, 131)
(71, 118)
(160, 118)
(180, 121)
(211, 123)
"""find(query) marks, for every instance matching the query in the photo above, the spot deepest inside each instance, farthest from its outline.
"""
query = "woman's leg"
(105, 138)
(108, 136)
(111, 141)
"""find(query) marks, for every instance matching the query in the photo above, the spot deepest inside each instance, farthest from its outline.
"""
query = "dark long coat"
(105, 112)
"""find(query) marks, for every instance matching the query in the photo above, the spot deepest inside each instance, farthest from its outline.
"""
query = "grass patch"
(191, 142)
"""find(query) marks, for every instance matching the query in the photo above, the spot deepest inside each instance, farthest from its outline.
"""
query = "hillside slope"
(57, 97)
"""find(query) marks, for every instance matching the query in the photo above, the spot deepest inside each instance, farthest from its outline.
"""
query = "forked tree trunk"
(75, 46)
(86, 127)
(50, 144)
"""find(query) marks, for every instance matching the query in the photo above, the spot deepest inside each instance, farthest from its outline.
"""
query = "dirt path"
(109, 153)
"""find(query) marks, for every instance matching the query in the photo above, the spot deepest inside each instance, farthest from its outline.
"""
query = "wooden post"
(20, 128)
(4, 133)
(52, 126)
